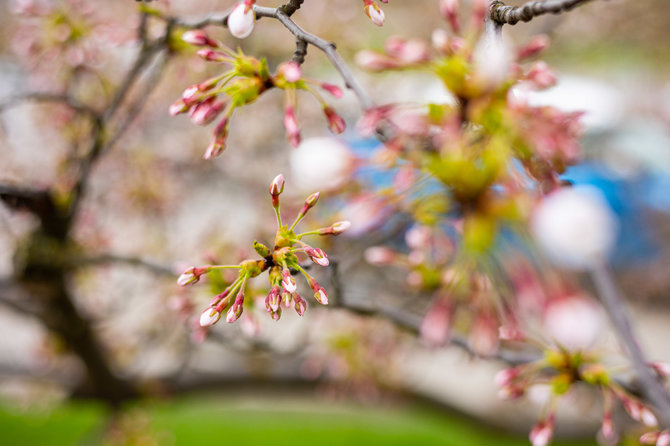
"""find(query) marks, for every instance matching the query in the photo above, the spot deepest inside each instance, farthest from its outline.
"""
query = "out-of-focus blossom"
(322, 163)
(575, 227)
(573, 322)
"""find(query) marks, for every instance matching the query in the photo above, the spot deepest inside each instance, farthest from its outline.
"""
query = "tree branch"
(615, 306)
(50, 97)
(503, 14)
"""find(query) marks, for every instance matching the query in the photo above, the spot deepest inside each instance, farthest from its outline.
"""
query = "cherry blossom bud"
(211, 55)
(575, 227)
(218, 143)
(191, 94)
(379, 256)
(542, 432)
(335, 122)
(179, 107)
(506, 377)
(236, 309)
(408, 52)
(205, 112)
(276, 315)
(241, 20)
(449, 10)
(286, 299)
(310, 202)
(291, 126)
(198, 37)
(277, 185)
(300, 305)
(535, 46)
(374, 12)
(607, 427)
(318, 256)
(440, 39)
(272, 301)
(333, 90)
(288, 283)
(321, 296)
(209, 317)
(540, 75)
(339, 227)
(647, 417)
(291, 71)
(191, 275)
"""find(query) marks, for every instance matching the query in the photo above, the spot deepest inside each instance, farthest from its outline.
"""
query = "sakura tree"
(484, 244)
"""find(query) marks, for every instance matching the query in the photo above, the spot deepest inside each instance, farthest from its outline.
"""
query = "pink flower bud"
(272, 301)
(291, 126)
(276, 314)
(236, 309)
(318, 256)
(540, 75)
(374, 12)
(241, 20)
(333, 90)
(339, 227)
(449, 10)
(179, 107)
(321, 296)
(191, 275)
(209, 317)
(211, 55)
(198, 37)
(310, 202)
(335, 122)
(541, 433)
(300, 305)
(286, 299)
(277, 185)
(205, 112)
(291, 71)
(379, 256)
(535, 46)
(607, 427)
(288, 283)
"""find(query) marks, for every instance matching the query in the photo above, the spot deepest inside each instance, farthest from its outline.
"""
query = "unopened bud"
(339, 227)
(198, 37)
(333, 90)
(318, 256)
(291, 71)
(209, 317)
(534, 47)
(241, 20)
(379, 255)
(292, 127)
(211, 55)
(300, 305)
(542, 432)
(335, 122)
(277, 185)
(312, 199)
(321, 296)
(449, 10)
(374, 12)
(179, 107)
(191, 275)
(288, 283)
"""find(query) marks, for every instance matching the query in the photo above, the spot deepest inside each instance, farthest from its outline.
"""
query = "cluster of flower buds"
(281, 262)
(374, 12)
(242, 84)
(562, 369)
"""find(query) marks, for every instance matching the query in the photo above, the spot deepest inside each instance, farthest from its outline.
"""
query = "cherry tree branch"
(615, 306)
(503, 14)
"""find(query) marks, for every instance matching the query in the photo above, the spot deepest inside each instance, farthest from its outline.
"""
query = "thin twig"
(49, 97)
(103, 259)
(501, 13)
(615, 306)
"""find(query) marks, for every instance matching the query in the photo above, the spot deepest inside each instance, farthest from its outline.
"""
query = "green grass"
(198, 421)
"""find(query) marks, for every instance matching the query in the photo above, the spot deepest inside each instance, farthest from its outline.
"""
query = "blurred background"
(154, 207)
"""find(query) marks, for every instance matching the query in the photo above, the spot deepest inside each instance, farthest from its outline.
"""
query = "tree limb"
(503, 14)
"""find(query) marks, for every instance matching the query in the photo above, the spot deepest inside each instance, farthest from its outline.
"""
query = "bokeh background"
(330, 377)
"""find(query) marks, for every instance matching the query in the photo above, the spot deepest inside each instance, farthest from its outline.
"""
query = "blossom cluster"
(242, 84)
(281, 262)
